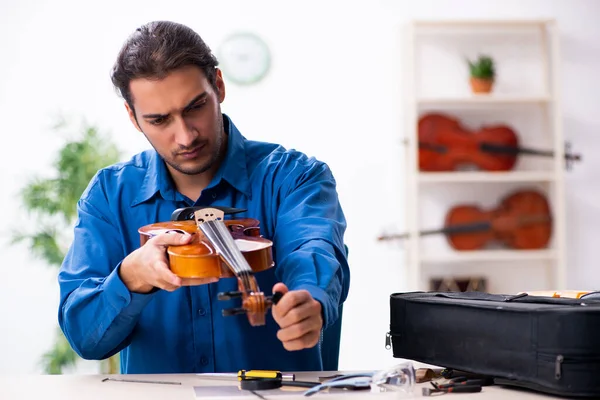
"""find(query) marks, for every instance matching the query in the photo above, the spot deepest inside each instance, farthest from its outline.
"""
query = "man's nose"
(185, 134)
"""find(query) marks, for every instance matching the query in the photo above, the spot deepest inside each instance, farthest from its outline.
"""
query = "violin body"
(220, 249)
(521, 221)
(197, 262)
(445, 145)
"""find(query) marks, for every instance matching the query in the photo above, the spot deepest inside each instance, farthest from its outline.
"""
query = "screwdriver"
(266, 374)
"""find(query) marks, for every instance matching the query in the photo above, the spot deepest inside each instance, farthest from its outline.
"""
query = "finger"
(280, 287)
(171, 238)
(290, 300)
(161, 283)
(300, 329)
(164, 276)
(299, 313)
(307, 341)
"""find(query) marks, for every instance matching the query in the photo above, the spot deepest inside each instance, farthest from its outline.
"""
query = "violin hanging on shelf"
(522, 221)
(445, 145)
(220, 249)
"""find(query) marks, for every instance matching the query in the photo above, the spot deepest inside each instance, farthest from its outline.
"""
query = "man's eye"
(158, 121)
(197, 106)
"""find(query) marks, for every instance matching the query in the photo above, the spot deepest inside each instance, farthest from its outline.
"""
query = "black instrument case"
(546, 344)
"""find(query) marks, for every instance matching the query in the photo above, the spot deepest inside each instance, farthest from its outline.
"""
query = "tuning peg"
(229, 295)
(570, 159)
(233, 311)
(276, 297)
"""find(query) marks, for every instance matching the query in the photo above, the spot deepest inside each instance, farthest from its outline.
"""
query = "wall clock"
(244, 58)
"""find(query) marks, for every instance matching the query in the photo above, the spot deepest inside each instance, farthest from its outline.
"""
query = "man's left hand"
(299, 316)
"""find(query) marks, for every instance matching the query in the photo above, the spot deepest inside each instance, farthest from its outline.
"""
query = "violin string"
(217, 233)
(213, 236)
(236, 254)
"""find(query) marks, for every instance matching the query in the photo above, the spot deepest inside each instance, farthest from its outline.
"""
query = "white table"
(92, 387)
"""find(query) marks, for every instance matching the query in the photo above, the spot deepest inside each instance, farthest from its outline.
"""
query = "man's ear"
(220, 85)
(132, 116)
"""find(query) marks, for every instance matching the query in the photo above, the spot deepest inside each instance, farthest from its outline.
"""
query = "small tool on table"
(456, 389)
(265, 374)
(266, 380)
(458, 385)
(141, 381)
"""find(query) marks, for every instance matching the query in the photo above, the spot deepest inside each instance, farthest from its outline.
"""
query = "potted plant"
(52, 202)
(482, 73)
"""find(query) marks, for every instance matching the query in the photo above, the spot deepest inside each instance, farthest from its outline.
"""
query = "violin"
(446, 145)
(522, 220)
(219, 249)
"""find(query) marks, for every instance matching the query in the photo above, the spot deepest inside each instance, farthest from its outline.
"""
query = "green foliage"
(483, 67)
(60, 356)
(52, 202)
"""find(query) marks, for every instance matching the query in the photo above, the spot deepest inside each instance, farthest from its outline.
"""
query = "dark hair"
(156, 49)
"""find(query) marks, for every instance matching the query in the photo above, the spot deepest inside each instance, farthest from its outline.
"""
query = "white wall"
(334, 92)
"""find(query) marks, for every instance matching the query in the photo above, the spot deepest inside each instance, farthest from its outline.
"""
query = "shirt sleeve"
(97, 312)
(309, 237)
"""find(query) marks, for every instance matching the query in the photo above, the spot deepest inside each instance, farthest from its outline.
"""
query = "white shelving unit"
(524, 97)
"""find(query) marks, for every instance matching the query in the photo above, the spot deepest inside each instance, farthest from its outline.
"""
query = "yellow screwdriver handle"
(255, 373)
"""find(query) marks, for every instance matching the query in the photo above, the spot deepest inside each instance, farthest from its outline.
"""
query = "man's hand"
(148, 267)
(299, 316)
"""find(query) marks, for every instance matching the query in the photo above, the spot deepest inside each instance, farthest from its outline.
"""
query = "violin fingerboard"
(210, 222)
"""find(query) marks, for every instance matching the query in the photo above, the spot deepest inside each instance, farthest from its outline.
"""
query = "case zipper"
(558, 366)
(560, 359)
(388, 339)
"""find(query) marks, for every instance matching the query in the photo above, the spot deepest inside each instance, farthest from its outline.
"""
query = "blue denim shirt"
(294, 198)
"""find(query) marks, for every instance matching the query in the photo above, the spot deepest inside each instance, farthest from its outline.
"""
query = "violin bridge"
(208, 214)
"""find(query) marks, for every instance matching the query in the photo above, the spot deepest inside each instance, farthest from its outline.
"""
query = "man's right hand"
(148, 267)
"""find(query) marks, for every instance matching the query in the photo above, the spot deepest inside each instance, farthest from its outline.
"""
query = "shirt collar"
(233, 169)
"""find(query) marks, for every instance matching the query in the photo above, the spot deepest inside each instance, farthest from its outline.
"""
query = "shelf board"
(484, 99)
(485, 177)
(486, 23)
(488, 255)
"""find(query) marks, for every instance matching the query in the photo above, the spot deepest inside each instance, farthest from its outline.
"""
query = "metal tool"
(251, 384)
(460, 387)
(253, 373)
(257, 373)
(260, 396)
(141, 381)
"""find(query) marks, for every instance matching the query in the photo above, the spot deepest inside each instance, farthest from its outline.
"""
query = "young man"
(118, 296)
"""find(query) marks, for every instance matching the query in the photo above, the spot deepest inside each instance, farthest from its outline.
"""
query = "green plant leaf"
(44, 244)
(483, 67)
(51, 201)
(60, 356)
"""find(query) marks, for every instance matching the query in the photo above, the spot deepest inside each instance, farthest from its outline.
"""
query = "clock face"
(244, 58)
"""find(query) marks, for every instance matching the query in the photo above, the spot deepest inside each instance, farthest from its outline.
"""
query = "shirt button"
(214, 195)
(203, 360)
(202, 312)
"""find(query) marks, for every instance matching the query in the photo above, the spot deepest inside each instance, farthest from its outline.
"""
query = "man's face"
(180, 116)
